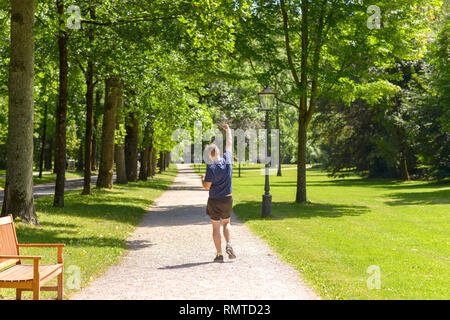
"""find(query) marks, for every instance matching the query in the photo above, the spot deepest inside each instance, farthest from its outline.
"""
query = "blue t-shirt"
(219, 174)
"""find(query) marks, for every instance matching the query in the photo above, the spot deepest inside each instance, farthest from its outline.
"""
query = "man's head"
(213, 152)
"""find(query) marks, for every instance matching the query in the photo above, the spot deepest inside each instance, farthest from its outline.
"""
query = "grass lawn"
(403, 228)
(47, 178)
(94, 228)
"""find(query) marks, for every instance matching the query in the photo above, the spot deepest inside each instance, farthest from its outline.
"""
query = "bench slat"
(8, 263)
(22, 272)
(5, 220)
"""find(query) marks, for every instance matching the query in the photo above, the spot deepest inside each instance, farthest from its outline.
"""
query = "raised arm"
(229, 139)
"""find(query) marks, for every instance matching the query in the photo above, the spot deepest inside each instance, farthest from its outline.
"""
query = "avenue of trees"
(362, 85)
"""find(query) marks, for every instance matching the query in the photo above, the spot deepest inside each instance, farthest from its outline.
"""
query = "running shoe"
(218, 258)
(230, 252)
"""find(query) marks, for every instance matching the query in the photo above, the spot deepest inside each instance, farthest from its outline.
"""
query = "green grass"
(47, 178)
(94, 228)
(351, 224)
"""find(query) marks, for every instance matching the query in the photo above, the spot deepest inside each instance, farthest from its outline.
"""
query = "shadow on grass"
(42, 235)
(420, 198)
(57, 225)
(251, 210)
(376, 183)
(103, 210)
(106, 204)
(153, 184)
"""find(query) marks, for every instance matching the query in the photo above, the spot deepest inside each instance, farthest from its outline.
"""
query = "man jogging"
(220, 202)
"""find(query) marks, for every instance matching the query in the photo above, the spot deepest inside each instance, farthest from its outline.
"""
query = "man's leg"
(227, 234)
(226, 229)
(216, 235)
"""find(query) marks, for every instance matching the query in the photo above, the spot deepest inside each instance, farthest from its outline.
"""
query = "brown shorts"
(219, 208)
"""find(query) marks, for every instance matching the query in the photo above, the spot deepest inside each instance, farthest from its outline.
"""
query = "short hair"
(213, 150)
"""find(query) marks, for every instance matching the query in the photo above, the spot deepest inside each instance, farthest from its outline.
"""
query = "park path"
(46, 189)
(171, 250)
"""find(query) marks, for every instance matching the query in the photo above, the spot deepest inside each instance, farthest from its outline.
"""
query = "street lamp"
(267, 101)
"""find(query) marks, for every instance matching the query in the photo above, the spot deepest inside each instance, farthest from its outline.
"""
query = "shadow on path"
(190, 265)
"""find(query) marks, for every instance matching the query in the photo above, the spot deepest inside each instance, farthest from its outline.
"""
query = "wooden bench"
(24, 277)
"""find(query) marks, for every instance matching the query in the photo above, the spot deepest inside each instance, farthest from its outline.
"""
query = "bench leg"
(36, 292)
(18, 294)
(60, 286)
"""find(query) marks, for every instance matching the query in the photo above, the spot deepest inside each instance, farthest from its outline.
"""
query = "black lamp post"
(267, 101)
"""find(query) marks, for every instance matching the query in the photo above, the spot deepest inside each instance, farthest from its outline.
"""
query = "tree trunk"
(150, 160)
(61, 111)
(112, 95)
(131, 147)
(404, 168)
(80, 161)
(154, 162)
(167, 158)
(94, 133)
(44, 137)
(301, 162)
(94, 148)
(119, 148)
(161, 161)
(279, 145)
(49, 154)
(18, 196)
(144, 164)
(89, 77)
(119, 155)
(88, 136)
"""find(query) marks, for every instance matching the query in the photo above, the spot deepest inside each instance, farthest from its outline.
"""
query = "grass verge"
(353, 228)
(94, 228)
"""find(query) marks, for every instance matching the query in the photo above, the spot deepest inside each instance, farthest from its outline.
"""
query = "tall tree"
(112, 96)
(309, 48)
(61, 110)
(131, 146)
(44, 138)
(18, 198)
(119, 148)
(95, 129)
(89, 78)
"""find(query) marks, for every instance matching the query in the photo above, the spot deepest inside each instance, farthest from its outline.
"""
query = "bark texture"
(89, 78)
(301, 163)
(154, 162)
(61, 111)
(112, 96)
(119, 148)
(119, 155)
(95, 132)
(144, 164)
(131, 147)
(18, 199)
(44, 138)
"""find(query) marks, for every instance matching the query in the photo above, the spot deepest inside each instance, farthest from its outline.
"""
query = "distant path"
(170, 256)
(45, 189)
(34, 174)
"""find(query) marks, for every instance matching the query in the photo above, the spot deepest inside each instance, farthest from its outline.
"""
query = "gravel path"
(170, 256)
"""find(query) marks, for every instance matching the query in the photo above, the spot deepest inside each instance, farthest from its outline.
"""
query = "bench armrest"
(11, 257)
(52, 245)
(31, 245)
